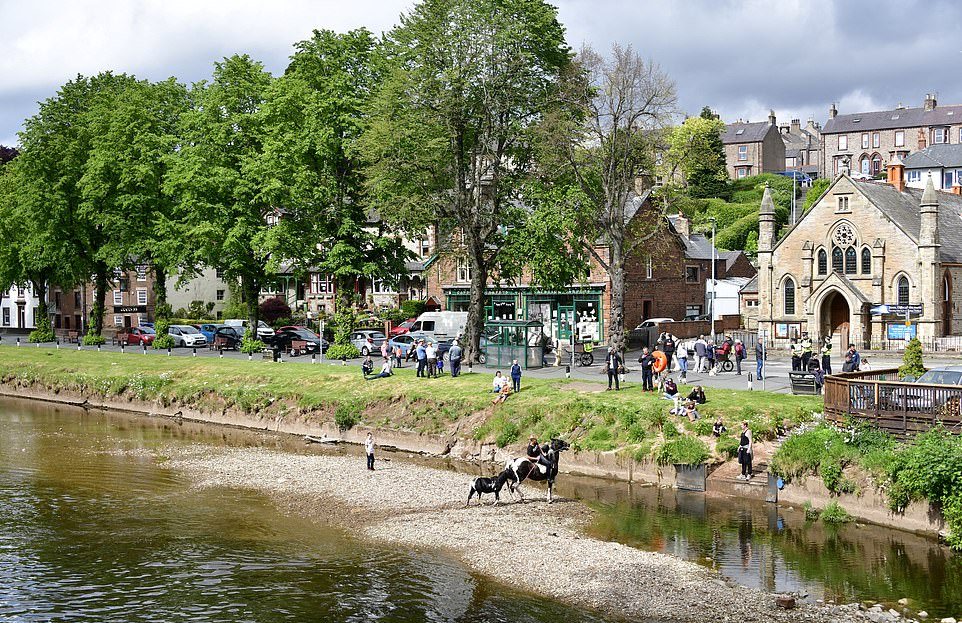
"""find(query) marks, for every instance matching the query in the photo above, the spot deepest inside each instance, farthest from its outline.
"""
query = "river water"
(92, 528)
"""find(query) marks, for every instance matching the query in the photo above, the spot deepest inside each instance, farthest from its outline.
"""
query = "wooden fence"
(902, 409)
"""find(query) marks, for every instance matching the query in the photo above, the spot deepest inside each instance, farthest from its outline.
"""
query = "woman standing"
(369, 449)
(745, 450)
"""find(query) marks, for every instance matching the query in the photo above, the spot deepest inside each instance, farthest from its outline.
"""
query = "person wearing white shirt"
(431, 353)
(369, 449)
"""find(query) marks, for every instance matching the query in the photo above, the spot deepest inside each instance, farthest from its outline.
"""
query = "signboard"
(781, 329)
(130, 309)
(900, 310)
(901, 331)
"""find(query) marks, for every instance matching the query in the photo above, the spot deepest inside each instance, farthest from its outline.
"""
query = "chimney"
(784, 129)
(771, 117)
(642, 183)
(922, 139)
(832, 111)
(930, 102)
(683, 225)
(956, 189)
(796, 126)
(896, 173)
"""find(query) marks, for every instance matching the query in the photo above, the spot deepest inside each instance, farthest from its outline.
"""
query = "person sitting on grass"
(687, 409)
(718, 428)
(697, 394)
(500, 382)
(367, 366)
(671, 389)
(385, 371)
(503, 393)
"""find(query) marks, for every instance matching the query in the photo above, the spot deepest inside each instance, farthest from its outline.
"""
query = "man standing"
(515, 376)
(646, 361)
(454, 355)
(613, 365)
(431, 354)
(668, 347)
(759, 359)
(856, 358)
(369, 449)
(827, 355)
(422, 357)
(796, 349)
(806, 351)
(701, 352)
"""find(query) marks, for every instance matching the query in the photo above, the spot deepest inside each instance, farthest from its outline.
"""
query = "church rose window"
(844, 235)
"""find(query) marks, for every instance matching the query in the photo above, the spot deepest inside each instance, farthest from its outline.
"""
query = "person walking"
(515, 376)
(739, 355)
(385, 350)
(454, 356)
(431, 355)
(759, 359)
(827, 354)
(422, 358)
(398, 355)
(668, 347)
(745, 449)
(613, 365)
(647, 361)
(369, 450)
(701, 352)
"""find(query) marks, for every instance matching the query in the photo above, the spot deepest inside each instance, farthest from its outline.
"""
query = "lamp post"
(711, 303)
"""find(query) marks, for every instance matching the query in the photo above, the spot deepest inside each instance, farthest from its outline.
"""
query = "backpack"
(739, 350)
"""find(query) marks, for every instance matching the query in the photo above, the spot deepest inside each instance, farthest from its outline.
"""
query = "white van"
(264, 331)
(441, 325)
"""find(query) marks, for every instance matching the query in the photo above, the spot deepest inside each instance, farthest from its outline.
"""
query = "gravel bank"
(517, 544)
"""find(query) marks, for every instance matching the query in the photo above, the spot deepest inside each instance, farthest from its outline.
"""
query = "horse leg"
(470, 494)
(549, 492)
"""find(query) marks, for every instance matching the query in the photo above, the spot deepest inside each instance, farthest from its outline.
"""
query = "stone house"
(130, 301)
(668, 280)
(748, 303)
(868, 141)
(19, 308)
(753, 148)
(803, 147)
(861, 245)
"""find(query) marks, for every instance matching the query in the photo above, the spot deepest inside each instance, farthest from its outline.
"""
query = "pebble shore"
(422, 507)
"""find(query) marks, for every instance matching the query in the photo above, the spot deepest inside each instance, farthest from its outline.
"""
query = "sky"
(742, 58)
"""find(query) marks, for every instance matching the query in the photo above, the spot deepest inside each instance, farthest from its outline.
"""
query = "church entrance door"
(835, 320)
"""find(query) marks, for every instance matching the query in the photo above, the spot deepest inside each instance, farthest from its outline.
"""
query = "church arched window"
(850, 261)
(903, 290)
(836, 260)
(866, 261)
(822, 262)
(789, 297)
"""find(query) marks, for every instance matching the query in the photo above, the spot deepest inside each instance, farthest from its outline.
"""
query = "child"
(440, 365)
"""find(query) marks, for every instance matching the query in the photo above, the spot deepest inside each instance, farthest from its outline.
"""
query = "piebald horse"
(521, 469)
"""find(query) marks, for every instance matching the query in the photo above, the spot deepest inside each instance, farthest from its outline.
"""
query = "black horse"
(521, 469)
(488, 485)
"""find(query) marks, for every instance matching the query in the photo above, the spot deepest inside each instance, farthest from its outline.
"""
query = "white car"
(264, 332)
(186, 335)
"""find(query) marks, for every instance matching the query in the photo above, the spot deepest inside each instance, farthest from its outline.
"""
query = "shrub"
(599, 439)
(684, 450)
(412, 308)
(250, 344)
(343, 351)
(346, 415)
(42, 334)
(164, 340)
(669, 430)
(274, 308)
(508, 434)
(727, 446)
(811, 512)
(834, 513)
(636, 433)
(912, 363)
(92, 339)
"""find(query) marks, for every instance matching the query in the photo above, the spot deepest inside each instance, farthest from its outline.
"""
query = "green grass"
(628, 421)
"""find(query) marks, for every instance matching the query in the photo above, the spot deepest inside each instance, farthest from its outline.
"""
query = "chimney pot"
(956, 189)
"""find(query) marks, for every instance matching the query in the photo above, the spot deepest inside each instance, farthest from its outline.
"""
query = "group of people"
(500, 385)
(686, 407)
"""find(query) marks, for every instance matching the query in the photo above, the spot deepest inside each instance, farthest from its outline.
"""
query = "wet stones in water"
(785, 601)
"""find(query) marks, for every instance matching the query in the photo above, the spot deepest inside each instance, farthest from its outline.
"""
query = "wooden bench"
(803, 383)
(72, 336)
(220, 343)
(119, 338)
(297, 347)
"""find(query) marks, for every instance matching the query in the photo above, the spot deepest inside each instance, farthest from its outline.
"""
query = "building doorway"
(836, 318)
(21, 315)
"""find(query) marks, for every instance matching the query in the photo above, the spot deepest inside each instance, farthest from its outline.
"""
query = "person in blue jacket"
(516, 376)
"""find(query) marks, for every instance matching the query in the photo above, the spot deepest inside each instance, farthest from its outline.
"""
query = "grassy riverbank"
(628, 421)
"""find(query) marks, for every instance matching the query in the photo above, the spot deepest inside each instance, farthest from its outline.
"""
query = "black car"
(227, 337)
(285, 337)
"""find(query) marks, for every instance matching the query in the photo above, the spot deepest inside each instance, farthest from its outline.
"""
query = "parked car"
(208, 330)
(147, 325)
(229, 337)
(402, 328)
(286, 336)
(141, 335)
(186, 335)
(264, 332)
(406, 342)
(912, 399)
(800, 176)
(360, 340)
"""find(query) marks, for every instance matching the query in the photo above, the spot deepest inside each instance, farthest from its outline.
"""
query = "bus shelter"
(507, 340)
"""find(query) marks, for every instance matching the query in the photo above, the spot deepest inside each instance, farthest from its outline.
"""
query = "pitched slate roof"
(891, 119)
(903, 209)
(935, 156)
(751, 287)
(745, 132)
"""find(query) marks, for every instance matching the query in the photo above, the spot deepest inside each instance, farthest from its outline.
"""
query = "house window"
(947, 183)
(903, 290)
(836, 260)
(321, 284)
(940, 135)
(876, 164)
(822, 262)
(76, 298)
(382, 286)
(751, 302)
(865, 140)
(876, 139)
(692, 311)
(914, 176)
(842, 204)
(900, 138)
(649, 268)
(20, 292)
(6, 316)
(464, 272)
(850, 267)
(843, 141)
(118, 297)
(789, 297)
(141, 296)
(741, 172)
(219, 273)
(866, 261)
(742, 153)
(220, 295)
(691, 274)
(141, 273)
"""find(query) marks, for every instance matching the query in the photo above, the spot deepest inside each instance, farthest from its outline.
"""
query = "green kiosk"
(507, 340)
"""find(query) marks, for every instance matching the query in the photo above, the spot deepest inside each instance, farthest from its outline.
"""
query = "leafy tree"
(449, 140)
(231, 206)
(274, 308)
(815, 193)
(912, 362)
(602, 139)
(696, 149)
(7, 154)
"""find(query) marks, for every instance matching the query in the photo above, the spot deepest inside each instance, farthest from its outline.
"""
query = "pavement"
(775, 371)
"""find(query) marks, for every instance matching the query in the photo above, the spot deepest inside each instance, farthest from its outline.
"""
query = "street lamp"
(711, 303)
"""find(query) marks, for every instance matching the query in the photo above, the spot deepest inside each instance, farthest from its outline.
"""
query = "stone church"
(862, 245)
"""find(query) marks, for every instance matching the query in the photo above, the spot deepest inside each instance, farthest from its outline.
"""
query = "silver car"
(186, 335)
(367, 341)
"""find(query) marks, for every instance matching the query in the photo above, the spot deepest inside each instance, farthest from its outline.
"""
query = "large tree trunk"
(43, 305)
(100, 300)
(251, 290)
(160, 293)
(616, 329)
(479, 280)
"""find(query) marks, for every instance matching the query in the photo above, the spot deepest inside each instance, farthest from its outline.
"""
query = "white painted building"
(942, 162)
(18, 308)
(209, 286)
(726, 296)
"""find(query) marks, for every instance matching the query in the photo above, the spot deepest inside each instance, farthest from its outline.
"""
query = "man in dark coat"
(613, 366)
(647, 362)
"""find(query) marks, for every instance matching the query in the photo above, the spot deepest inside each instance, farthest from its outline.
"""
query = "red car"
(141, 335)
(402, 328)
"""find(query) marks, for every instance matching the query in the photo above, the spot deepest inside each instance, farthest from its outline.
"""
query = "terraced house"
(753, 148)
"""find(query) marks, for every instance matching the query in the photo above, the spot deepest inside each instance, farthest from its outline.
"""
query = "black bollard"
(194, 353)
